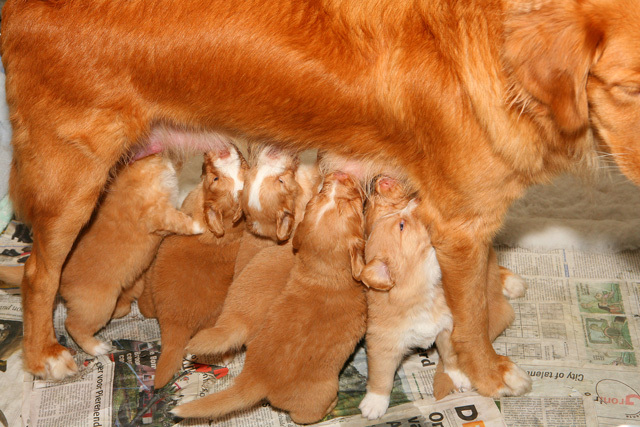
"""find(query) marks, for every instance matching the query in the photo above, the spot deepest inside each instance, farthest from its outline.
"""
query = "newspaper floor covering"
(576, 333)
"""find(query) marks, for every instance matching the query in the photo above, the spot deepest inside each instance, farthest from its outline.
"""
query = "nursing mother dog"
(474, 99)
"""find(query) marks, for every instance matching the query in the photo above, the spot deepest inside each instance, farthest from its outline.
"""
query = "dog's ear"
(356, 252)
(213, 217)
(284, 224)
(548, 51)
(376, 275)
(237, 215)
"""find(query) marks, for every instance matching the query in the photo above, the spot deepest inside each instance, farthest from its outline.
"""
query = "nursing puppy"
(260, 275)
(406, 303)
(118, 245)
(187, 283)
(275, 184)
(474, 100)
(315, 323)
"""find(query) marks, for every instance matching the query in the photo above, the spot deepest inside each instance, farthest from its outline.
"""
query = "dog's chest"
(429, 315)
(423, 326)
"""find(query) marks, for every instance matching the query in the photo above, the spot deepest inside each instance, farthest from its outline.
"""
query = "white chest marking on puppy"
(329, 205)
(269, 168)
(231, 167)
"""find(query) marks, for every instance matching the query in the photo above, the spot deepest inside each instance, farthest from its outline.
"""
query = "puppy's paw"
(59, 367)
(460, 381)
(100, 348)
(514, 286)
(374, 405)
(516, 382)
(197, 228)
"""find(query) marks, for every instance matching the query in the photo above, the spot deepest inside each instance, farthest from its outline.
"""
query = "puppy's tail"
(244, 394)
(12, 275)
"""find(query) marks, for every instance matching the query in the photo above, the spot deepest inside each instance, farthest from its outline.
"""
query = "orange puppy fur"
(118, 245)
(272, 199)
(188, 281)
(314, 325)
(265, 272)
(406, 303)
(474, 101)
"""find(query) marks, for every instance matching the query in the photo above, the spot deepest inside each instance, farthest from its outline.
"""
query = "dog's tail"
(12, 275)
(244, 394)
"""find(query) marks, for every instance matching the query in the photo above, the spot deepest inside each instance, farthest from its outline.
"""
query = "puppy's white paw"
(197, 228)
(374, 405)
(517, 382)
(514, 286)
(460, 381)
(60, 366)
(100, 348)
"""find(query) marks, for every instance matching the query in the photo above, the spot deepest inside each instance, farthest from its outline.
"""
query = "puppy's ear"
(237, 214)
(356, 252)
(213, 217)
(284, 225)
(298, 236)
(376, 275)
(548, 50)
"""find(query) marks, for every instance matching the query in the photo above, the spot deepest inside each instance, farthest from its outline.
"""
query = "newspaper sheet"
(575, 333)
(15, 244)
(10, 359)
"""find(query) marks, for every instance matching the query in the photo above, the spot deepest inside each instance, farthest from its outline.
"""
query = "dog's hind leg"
(174, 339)
(56, 180)
(128, 295)
(89, 310)
(222, 339)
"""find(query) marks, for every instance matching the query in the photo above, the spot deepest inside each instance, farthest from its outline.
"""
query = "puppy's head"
(222, 185)
(387, 195)
(398, 243)
(333, 221)
(270, 192)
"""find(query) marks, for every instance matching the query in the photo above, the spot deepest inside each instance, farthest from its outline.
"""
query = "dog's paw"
(374, 405)
(514, 286)
(516, 382)
(197, 228)
(100, 348)
(59, 367)
(460, 381)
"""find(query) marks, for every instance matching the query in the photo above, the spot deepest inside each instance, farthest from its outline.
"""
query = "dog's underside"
(474, 99)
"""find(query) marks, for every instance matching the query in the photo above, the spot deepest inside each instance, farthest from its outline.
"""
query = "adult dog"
(475, 99)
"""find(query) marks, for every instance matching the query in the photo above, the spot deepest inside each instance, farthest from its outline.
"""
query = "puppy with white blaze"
(314, 324)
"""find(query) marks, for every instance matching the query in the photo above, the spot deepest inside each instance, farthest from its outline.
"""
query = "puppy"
(261, 271)
(118, 245)
(188, 281)
(406, 302)
(315, 323)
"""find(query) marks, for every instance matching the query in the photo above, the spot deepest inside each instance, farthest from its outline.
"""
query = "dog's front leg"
(464, 260)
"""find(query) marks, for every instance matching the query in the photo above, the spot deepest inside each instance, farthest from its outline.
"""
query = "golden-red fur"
(260, 278)
(118, 245)
(315, 323)
(188, 281)
(283, 191)
(474, 100)
(406, 304)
